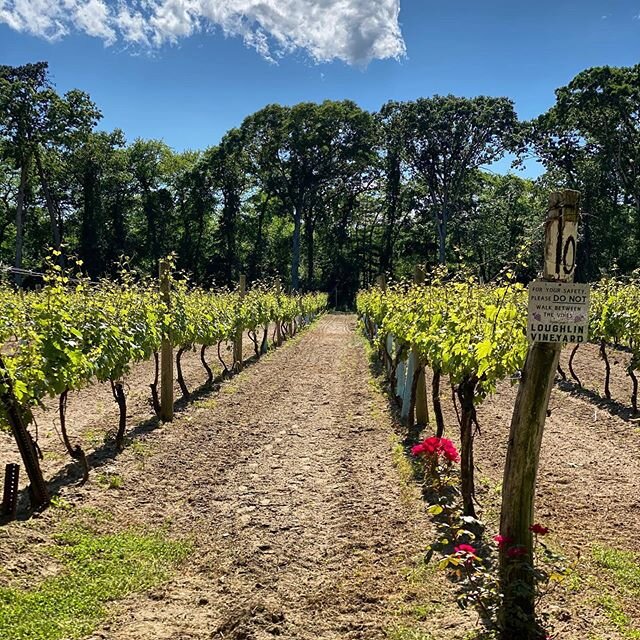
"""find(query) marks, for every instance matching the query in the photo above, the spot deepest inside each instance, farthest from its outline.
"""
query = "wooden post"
(166, 352)
(381, 283)
(237, 345)
(518, 618)
(421, 411)
(15, 418)
(278, 327)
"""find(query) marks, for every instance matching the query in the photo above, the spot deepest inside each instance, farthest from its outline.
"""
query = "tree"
(37, 121)
(445, 139)
(297, 152)
(149, 163)
(590, 141)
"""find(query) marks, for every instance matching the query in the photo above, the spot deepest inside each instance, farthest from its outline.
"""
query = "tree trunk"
(295, 254)
(437, 405)
(206, 366)
(441, 223)
(256, 256)
(117, 389)
(466, 390)
(76, 452)
(155, 398)
(20, 219)
(309, 228)
(51, 205)
(607, 369)
(393, 198)
(181, 381)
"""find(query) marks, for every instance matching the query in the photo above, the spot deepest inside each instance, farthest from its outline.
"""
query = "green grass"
(110, 480)
(404, 633)
(97, 569)
(624, 568)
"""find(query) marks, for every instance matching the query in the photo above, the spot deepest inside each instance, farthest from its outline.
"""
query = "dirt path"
(286, 483)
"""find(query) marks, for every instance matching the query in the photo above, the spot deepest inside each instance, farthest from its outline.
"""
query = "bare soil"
(285, 482)
(305, 522)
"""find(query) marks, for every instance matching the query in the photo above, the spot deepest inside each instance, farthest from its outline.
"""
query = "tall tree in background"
(299, 152)
(446, 138)
(40, 124)
(590, 141)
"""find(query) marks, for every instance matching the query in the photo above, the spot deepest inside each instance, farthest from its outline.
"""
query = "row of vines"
(475, 334)
(72, 332)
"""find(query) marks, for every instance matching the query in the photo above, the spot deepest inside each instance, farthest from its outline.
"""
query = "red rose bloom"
(502, 540)
(538, 529)
(449, 450)
(516, 552)
(434, 446)
(417, 449)
(465, 549)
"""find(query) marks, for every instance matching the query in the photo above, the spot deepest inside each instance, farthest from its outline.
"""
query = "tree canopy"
(324, 195)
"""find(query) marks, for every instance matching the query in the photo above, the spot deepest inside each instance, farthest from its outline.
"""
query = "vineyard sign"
(558, 312)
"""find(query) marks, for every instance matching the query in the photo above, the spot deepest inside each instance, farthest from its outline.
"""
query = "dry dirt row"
(285, 481)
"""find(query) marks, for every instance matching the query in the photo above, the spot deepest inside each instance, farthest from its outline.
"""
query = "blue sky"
(174, 74)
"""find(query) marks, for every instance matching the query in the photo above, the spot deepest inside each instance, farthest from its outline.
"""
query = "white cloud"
(94, 19)
(354, 31)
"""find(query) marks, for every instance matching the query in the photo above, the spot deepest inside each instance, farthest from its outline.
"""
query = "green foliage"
(464, 329)
(624, 568)
(72, 332)
(97, 570)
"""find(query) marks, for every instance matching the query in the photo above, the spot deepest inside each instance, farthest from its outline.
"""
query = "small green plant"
(625, 571)
(404, 633)
(57, 502)
(110, 480)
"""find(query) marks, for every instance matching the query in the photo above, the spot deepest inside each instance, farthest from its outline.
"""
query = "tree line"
(325, 195)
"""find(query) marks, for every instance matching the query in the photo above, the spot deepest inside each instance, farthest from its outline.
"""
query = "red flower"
(449, 450)
(434, 446)
(417, 449)
(502, 541)
(465, 549)
(516, 552)
(538, 529)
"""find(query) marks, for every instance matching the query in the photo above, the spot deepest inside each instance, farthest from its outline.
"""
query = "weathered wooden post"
(166, 351)
(278, 327)
(421, 411)
(518, 619)
(237, 344)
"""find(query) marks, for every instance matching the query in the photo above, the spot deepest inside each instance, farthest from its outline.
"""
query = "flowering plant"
(438, 456)
(438, 449)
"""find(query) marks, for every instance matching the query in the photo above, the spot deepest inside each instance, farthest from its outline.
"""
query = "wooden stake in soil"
(237, 345)
(518, 618)
(421, 412)
(278, 327)
(166, 352)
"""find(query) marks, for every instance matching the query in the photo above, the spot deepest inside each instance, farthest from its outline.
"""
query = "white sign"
(558, 312)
